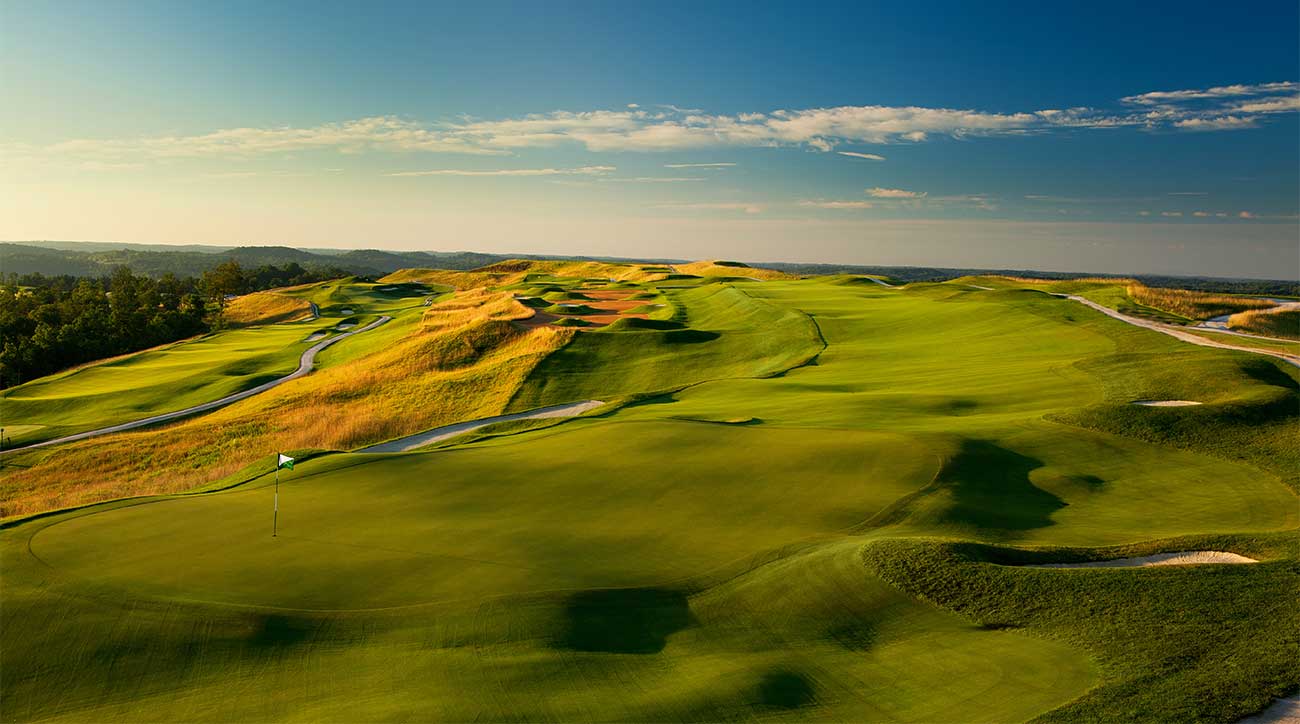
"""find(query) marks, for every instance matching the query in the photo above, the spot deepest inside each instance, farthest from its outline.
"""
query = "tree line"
(51, 323)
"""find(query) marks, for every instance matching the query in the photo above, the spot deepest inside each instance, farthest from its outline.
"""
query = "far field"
(805, 499)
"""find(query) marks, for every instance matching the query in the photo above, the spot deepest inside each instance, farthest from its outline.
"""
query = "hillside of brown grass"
(464, 359)
(265, 308)
(1283, 323)
(1193, 305)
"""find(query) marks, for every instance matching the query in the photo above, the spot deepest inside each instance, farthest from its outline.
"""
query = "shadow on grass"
(277, 630)
(991, 489)
(624, 621)
(785, 689)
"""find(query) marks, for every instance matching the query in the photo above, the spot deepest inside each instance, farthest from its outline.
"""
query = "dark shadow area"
(785, 689)
(855, 635)
(624, 621)
(991, 489)
(276, 630)
(1268, 373)
(690, 336)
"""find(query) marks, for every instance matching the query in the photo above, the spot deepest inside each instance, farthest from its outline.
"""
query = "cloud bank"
(669, 128)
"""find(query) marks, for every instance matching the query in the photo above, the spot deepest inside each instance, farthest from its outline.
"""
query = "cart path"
(1178, 332)
(428, 437)
(305, 364)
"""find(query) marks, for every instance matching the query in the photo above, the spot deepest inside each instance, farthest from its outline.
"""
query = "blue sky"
(1090, 137)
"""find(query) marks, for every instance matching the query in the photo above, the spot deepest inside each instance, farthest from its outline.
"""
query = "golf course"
(596, 491)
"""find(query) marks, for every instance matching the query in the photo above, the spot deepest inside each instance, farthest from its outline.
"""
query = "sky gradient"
(1162, 139)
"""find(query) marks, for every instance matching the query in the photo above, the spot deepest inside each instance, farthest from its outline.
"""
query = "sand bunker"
(1282, 711)
(1165, 403)
(314, 336)
(345, 311)
(1181, 558)
(346, 325)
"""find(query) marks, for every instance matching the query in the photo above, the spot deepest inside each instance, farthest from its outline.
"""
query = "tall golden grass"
(1283, 322)
(512, 271)
(465, 359)
(714, 269)
(265, 308)
(1193, 305)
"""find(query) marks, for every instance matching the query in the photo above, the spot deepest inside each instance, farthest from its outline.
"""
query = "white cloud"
(698, 165)
(747, 208)
(1246, 215)
(1144, 213)
(1171, 213)
(1219, 123)
(1226, 91)
(660, 179)
(868, 156)
(838, 204)
(882, 193)
(670, 128)
(583, 171)
(1201, 214)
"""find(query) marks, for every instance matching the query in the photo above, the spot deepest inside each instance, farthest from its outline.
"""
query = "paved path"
(305, 365)
(428, 437)
(1179, 332)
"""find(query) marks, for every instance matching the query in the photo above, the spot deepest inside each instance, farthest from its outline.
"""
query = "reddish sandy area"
(611, 301)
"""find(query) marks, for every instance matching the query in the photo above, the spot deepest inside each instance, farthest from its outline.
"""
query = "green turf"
(811, 505)
(204, 369)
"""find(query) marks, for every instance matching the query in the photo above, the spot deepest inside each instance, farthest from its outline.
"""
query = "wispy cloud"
(868, 156)
(883, 193)
(1171, 213)
(1225, 91)
(745, 207)
(669, 128)
(698, 165)
(1188, 193)
(1220, 123)
(660, 179)
(838, 204)
(582, 171)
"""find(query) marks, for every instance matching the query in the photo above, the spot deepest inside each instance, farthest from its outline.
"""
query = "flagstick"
(275, 514)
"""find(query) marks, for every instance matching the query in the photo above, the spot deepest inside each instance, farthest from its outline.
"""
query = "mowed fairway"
(188, 373)
(766, 537)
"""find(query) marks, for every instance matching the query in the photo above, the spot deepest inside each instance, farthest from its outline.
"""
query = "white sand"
(1282, 711)
(345, 312)
(1181, 558)
(346, 325)
(315, 336)
(1165, 403)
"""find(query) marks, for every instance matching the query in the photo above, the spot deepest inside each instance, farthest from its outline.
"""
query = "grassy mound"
(572, 309)
(1208, 643)
(1283, 323)
(265, 308)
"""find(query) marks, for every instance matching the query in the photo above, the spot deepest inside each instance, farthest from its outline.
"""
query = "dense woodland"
(51, 323)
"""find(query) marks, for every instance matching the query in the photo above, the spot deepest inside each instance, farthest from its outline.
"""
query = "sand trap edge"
(1180, 558)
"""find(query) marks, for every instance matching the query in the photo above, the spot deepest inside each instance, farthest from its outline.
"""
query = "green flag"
(284, 462)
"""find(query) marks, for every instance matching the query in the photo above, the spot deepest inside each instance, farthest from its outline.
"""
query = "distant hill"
(78, 258)
(93, 258)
